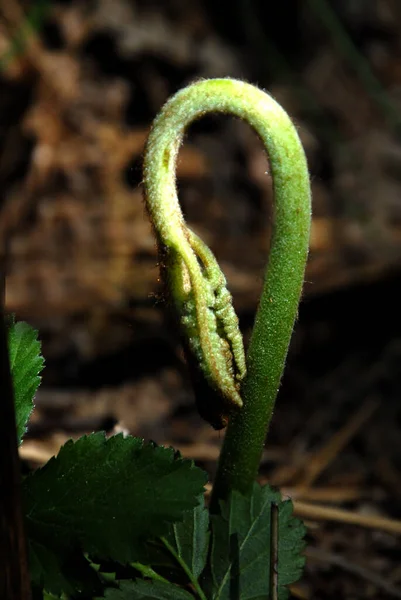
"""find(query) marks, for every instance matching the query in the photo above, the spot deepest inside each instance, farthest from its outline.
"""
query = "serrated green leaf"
(106, 497)
(190, 538)
(180, 556)
(147, 590)
(291, 543)
(26, 363)
(71, 573)
(243, 551)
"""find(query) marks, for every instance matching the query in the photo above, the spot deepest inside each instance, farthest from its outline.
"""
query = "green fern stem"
(243, 444)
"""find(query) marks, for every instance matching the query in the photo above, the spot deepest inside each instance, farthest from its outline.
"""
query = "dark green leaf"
(180, 556)
(291, 544)
(107, 496)
(26, 363)
(71, 573)
(190, 538)
(147, 590)
(245, 555)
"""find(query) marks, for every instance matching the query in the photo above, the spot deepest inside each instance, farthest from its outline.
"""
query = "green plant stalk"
(243, 444)
(277, 311)
(148, 572)
(185, 568)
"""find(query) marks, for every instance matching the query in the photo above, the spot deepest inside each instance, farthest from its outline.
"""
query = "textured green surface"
(104, 497)
(290, 544)
(148, 590)
(240, 457)
(255, 549)
(190, 539)
(195, 282)
(26, 363)
(246, 545)
(277, 311)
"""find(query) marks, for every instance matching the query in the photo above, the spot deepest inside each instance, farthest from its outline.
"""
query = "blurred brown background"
(80, 84)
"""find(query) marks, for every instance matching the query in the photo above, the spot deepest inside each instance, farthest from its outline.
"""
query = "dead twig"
(326, 455)
(328, 513)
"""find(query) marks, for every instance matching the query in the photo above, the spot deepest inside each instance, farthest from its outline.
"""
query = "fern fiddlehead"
(197, 285)
(195, 282)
